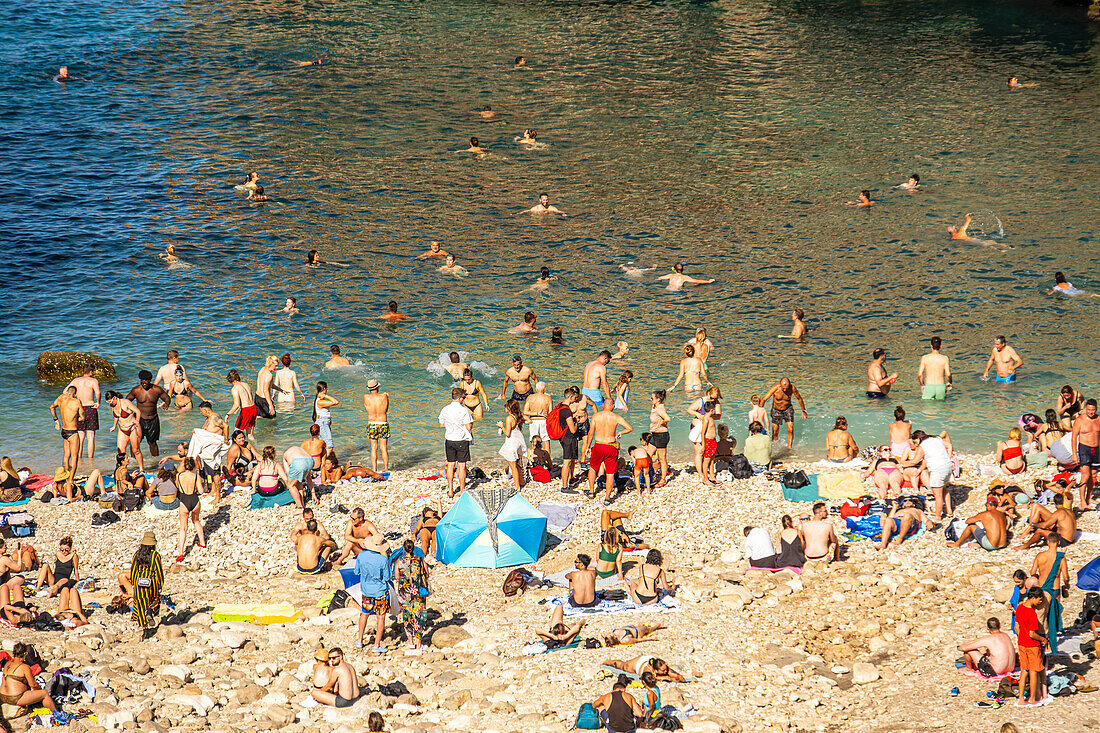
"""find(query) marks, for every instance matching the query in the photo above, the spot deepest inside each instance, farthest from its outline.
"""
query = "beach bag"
(131, 500)
(553, 423)
(588, 718)
(516, 582)
(11, 495)
(22, 524)
(695, 435)
(795, 479)
(854, 508)
(663, 721)
(739, 466)
(340, 599)
(540, 474)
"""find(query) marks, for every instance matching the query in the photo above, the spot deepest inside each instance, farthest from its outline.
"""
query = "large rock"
(863, 673)
(448, 636)
(61, 367)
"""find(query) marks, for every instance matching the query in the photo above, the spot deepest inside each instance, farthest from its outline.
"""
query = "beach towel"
(21, 502)
(870, 528)
(208, 446)
(666, 604)
(561, 581)
(978, 675)
(792, 568)
(851, 463)
(37, 482)
(538, 647)
(266, 502)
(839, 486)
(809, 492)
(558, 515)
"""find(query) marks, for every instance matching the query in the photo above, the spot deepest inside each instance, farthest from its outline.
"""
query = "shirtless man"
(356, 531)
(782, 410)
(1043, 522)
(1043, 566)
(242, 402)
(456, 367)
(902, 521)
(311, 549)
(70, 409)
(582, 583)
(677, 279)
(528, 325)
(545, 207)
(863, 201)
(798, 326)
(377, 405)
(475, 146)
(1085, 444)
(146, 396)
(595, 383)
(433, 252)
(337, 361)
(708, 433)
(300, 527)
(213, 421)
(818, 535)
(1006, 359)
(995, 524)
(521, 377)
(934, 373)
(911, 185)
(605, 448)
(87, 391)
(878, 381)
(452, 267)
(535, 410)
(167, 373)
(180, 389)
(997, 645)
(392, 315)
(265, 382)
(342, 689)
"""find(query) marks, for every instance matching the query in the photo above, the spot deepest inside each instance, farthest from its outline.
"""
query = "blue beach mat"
(870, 528)
(21, 502)
(266, 502)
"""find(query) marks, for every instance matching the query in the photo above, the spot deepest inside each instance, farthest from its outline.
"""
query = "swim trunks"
(375, 605)
(1088, 455)
(1031, 659)
(299, 468)
(1005, 380)
(520, 397)
(710, 447)
(912, 530)
(264, 408)
(781, 416)
(659, 440)
(458, 451)
(150, 429)
(313, 571)
(247, 419)
(537, 428)
(593, 394)
(569, 447)
(378, 430)
(344, 702)
(605, 454)
(876, 395)
(88, 419)
(66, 434)
(934, 392)
(594, 602)
(987, 545)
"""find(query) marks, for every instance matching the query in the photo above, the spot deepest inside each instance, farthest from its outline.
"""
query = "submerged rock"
(61, 367)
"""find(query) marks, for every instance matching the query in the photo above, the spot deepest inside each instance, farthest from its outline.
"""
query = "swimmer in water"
(528, 325)
(798, 329)
(169, 255)
(487, 112)
(677, 279)
(392, 316)
(543, 283)
(291, 306)
(960, 233)
(251, 182)
(864, 200)
(624, 347)
(303, 64)
(911, 185)
(258, 194)
(63, 75)
(545, 207)
(1061, 287)
(475, 147)
(557, 336)
(636, 271)
(314, 260)
(1014, 83)
(455, 269)
(433, 251)
(530, 138)
(521, 63)
(692, 371)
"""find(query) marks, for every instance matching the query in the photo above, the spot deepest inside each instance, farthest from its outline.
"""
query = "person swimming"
(864, 199)
(545, 207)
(521, 63)
(304, 64)
(911, 185)
(636, 271)
(1014, 83)
(314, 260)
(961, 233)
(258, 194)
(475, 147)
(543, 282)
(1061, 287)
(169, 255)
(453, 268)
(251, 182)
(487, 112)
(62, 75)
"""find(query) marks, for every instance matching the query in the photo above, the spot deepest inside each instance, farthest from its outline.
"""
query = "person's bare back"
(819, 539)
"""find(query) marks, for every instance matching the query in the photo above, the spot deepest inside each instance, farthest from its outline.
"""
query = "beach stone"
(176, 673)
(233, 639)
(249, 693)
(201, 704)
(864, 672)
(1003, 594)
(448, 636)
(280, 715)
(61, 367)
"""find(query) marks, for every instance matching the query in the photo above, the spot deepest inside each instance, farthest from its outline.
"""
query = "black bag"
(795, 479)
(340, 599)
(663, 721)
(739, 466)
(130, 501)
(47, 497)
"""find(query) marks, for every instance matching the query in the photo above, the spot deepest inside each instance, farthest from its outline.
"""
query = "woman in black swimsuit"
(188, 484)
(1069, 404)
(63, 576)
(241, 455)
(651, 582)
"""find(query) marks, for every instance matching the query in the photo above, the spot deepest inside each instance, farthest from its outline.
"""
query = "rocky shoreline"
(863, 644)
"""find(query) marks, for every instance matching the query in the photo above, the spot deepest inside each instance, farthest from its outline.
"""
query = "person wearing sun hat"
(373, 568)
(143, 584)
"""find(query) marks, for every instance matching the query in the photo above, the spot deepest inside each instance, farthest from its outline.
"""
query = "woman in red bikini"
(1010, 454)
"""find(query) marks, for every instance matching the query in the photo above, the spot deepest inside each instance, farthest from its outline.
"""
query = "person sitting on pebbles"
(559, 635)
(311, 549)
(341, 689)
(651, 581)
(994, 526)
(903, 520)
(1042, 522)
(996, 647)
(647, 663)
(356, 532)
(300, 527)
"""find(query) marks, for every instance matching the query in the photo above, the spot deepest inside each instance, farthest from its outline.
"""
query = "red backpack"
(553, 423)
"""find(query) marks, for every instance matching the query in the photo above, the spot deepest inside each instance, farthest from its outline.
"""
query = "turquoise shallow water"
(724, 135)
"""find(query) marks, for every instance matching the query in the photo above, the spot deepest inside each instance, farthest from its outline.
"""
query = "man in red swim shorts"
(605, 447)
(709, 434)
(242, 400)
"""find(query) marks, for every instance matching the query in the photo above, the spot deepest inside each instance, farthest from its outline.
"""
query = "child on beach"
(759, 414)
(641, 469)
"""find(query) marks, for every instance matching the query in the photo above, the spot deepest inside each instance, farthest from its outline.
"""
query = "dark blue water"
(725, 136)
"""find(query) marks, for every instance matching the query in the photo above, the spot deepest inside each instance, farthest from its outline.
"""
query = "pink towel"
(975, 673)
(776, 570)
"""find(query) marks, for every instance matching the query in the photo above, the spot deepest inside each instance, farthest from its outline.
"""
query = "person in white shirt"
(456, 422)
(758, 544)
(938, 466)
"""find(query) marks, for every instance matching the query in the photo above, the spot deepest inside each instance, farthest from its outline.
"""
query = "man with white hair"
(535, 409)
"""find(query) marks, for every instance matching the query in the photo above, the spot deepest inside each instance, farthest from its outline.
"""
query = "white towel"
(208, 446)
